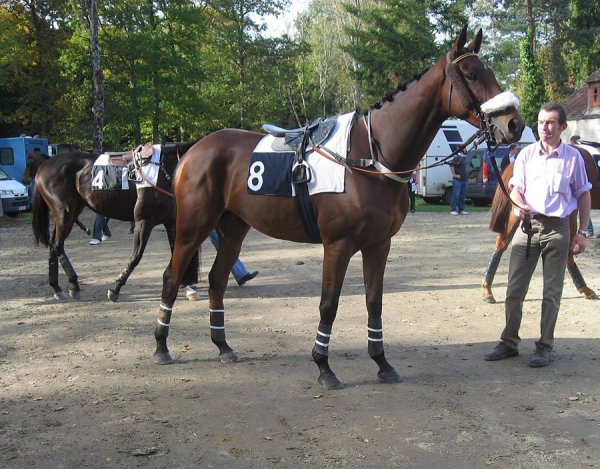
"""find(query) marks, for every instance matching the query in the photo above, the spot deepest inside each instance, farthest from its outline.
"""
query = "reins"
(485, 133)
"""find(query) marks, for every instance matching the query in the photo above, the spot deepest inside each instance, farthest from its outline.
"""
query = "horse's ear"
(475, 44)
(459, 44)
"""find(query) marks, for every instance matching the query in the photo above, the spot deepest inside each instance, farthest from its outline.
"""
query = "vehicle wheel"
(480, 202)
(447, 197)
(431, 200)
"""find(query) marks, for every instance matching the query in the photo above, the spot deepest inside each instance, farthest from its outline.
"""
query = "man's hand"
(578, 244)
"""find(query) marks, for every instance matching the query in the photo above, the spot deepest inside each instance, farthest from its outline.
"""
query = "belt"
(539, 216)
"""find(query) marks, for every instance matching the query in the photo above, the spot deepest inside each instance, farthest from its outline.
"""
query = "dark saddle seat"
(298, 139)
(125, 158)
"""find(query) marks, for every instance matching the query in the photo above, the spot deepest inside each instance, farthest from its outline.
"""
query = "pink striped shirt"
(555, 181)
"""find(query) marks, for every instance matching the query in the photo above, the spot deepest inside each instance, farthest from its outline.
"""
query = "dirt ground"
(78, 387)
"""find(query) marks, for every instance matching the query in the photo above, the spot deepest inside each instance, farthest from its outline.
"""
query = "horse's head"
(473, 94)
(33, 163)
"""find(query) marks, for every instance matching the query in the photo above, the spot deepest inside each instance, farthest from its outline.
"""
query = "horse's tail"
(501, 204)
(40, 219)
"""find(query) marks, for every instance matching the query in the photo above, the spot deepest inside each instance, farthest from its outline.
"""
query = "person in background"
(548, 184)
(239, 270)
(412, 191)
(513, 151)
(458, 166)
(101, 230)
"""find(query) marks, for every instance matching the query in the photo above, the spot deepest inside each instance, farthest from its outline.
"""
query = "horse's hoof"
(112, 295)
(229, 357)
(591, 296)
(193, 296)
(61, 296)
(330, 381)
(163, 358)
(489, 299)
(75, 294)
(390, 376)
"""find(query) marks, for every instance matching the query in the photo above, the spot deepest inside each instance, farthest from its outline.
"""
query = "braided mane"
(391, 96)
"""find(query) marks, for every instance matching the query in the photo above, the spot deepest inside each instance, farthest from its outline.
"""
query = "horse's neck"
(406, 126)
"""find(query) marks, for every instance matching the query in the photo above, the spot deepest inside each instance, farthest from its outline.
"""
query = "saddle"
(317, 132)
(142, 154)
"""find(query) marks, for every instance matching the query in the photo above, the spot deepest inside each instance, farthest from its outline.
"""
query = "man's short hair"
(513, 146)
(559, 108)
(575, 138)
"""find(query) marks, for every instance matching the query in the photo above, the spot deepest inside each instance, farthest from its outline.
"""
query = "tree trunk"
(97, 79)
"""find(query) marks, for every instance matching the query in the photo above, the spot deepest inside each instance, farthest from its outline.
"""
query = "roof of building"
(576, 104)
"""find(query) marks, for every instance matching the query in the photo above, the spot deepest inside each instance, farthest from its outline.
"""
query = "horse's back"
(213, 178)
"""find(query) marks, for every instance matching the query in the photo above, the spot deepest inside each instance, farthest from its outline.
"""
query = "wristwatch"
(584, 233)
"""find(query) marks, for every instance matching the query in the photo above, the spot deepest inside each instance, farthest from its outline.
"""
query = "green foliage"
(534, 92)
(179, 69)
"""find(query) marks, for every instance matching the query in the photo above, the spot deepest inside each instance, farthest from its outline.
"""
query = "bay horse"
(505, 223)
(212, 183)
(63, 187)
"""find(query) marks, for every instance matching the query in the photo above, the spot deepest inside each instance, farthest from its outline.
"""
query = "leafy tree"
(534, 92)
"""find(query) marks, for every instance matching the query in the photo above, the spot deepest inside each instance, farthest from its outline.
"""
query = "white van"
(13, 195)
(435, 184)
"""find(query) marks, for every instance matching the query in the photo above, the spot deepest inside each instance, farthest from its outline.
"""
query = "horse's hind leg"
(58, 243)
(490, 273)
(502, 242)
(232, 231)
(374, 260)
(59, 294)
(140, 240)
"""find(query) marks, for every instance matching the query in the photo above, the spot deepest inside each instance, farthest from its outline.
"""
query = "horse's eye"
(471, 76)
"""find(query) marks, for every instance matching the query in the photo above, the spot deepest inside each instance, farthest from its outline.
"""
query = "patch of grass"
(422, 206)
(20, 219)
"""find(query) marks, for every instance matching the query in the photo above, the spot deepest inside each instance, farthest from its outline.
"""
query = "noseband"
(483, 111)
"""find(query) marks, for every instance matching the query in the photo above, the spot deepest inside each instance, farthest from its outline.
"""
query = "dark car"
(482, 181)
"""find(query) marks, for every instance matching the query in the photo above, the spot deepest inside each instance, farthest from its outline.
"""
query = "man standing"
(513, 151)
(548, 184)
(458, 166)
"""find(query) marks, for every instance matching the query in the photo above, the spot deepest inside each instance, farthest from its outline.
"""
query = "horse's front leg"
(140, 240)
(578, 279)
(374, 261)
(502, 242)
(335, 264)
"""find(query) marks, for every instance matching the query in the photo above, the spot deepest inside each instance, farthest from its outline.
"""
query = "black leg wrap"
(322, 340)
(492, 267)
(375, 334)
(161, 332)
(217, 335)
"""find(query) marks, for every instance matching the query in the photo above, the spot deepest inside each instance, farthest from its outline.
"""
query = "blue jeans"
(239, 269)
(100, 227)
(459, 190)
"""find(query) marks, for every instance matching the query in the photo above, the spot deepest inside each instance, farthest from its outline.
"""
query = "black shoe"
(500, 352)
(540, 358)
(246, 278)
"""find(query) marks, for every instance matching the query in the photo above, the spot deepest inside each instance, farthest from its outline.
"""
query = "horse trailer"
(14, 152)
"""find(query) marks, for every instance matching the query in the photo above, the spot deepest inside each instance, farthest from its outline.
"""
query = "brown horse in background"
(211, 189)
(504, 222)
(63, 187)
